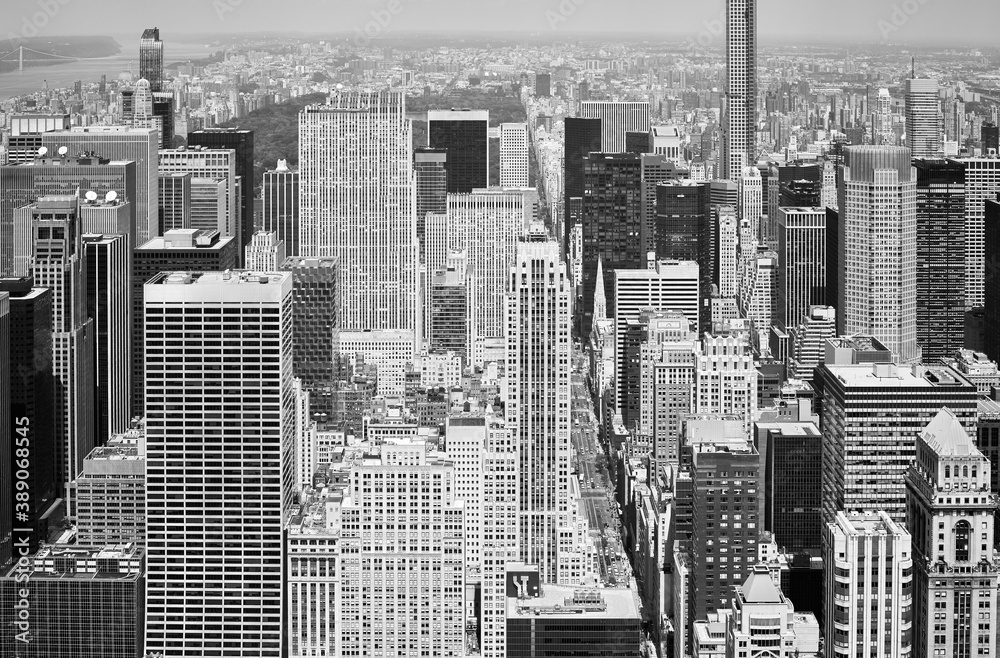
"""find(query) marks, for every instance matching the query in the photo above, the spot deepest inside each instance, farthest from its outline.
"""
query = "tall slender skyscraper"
(464, 134)
(537, 408)
(109, 283)
(878, 248)
(280, 200)
(612, 223)
(431, 169)
(801, 263)
(941, 257)
(982, 183)
(739, 119)
(513, 155)
(31, 390)
(58, 263)
(151, 58)
(203, 559)
(923, 118)
(357, 205)
(580, 138)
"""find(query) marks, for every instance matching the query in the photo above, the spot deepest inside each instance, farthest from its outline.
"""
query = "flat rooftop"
(890, 375)
(558, 603)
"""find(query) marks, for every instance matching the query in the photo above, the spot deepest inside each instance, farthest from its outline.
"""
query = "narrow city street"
(596, 486)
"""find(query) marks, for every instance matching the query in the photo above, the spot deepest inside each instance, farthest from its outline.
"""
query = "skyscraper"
(53, 174)
(151, 58)
(537, 408)
(951, 540)
(867, 557)
(655, 169)
(868, 401)
(801, 248)
(982, 183)
(58, 262)
(727, 249)
(941, 257)
(241, 141)
(487, 226)
(992, 281)
(580, 138)
(683, 214)
(792, 459)
(265, 253)
(430, 167)
(174, 202)
(215, 168)
(513, 155)
(617, 119)
(739, 118)
(612, 223)
(356, 153)
(194, 539)
(31, 391)
(280, 208)
(660, 286)
(878, 248)
(464, 134)
(121, 143)
(923, 118)
(315, 313)
(108, 297)
(190, 250)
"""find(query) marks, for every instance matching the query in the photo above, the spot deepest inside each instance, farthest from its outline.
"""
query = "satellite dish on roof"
(111, 196)
(43, 150)
(91, 195)
(63, 150)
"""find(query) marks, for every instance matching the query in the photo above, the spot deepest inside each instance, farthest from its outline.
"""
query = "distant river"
(15, 83)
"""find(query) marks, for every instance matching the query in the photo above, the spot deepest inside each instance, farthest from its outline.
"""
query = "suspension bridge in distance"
(23, 54)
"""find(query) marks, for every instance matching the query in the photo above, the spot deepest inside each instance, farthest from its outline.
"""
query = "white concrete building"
(513, 155)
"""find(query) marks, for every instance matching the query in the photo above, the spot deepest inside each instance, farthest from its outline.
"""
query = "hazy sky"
(955, 21)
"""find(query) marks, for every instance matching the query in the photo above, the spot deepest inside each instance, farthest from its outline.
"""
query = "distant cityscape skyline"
(858, 21)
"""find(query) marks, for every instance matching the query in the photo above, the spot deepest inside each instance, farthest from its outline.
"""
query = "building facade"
(464, 136)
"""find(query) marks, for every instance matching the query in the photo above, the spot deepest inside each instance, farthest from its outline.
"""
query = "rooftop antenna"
(913, 67)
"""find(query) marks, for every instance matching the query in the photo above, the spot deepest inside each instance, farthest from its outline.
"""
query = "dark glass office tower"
(656, 168)
(242, 142)
(940, 257)
(280, 205)
(792, 454)
(581, 136)
(31, 389)
(637, 142)
(151, 58)
(431, 169)
(464, 134)
(163, 107)
(991, 138)
(683, 218)
(612, 223)
(315, 313)
(992, 283)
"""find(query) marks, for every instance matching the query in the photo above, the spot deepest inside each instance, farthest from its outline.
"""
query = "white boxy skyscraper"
(878, 248)
(923, 118)
(739, 117)
(357, 204)
(220, 431)
(513, 155)
(538, 399)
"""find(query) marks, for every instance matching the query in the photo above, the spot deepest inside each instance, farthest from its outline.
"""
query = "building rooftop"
(946, 436)
(759, 587)
(72, 562)
(568, 602)
(889, 374)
